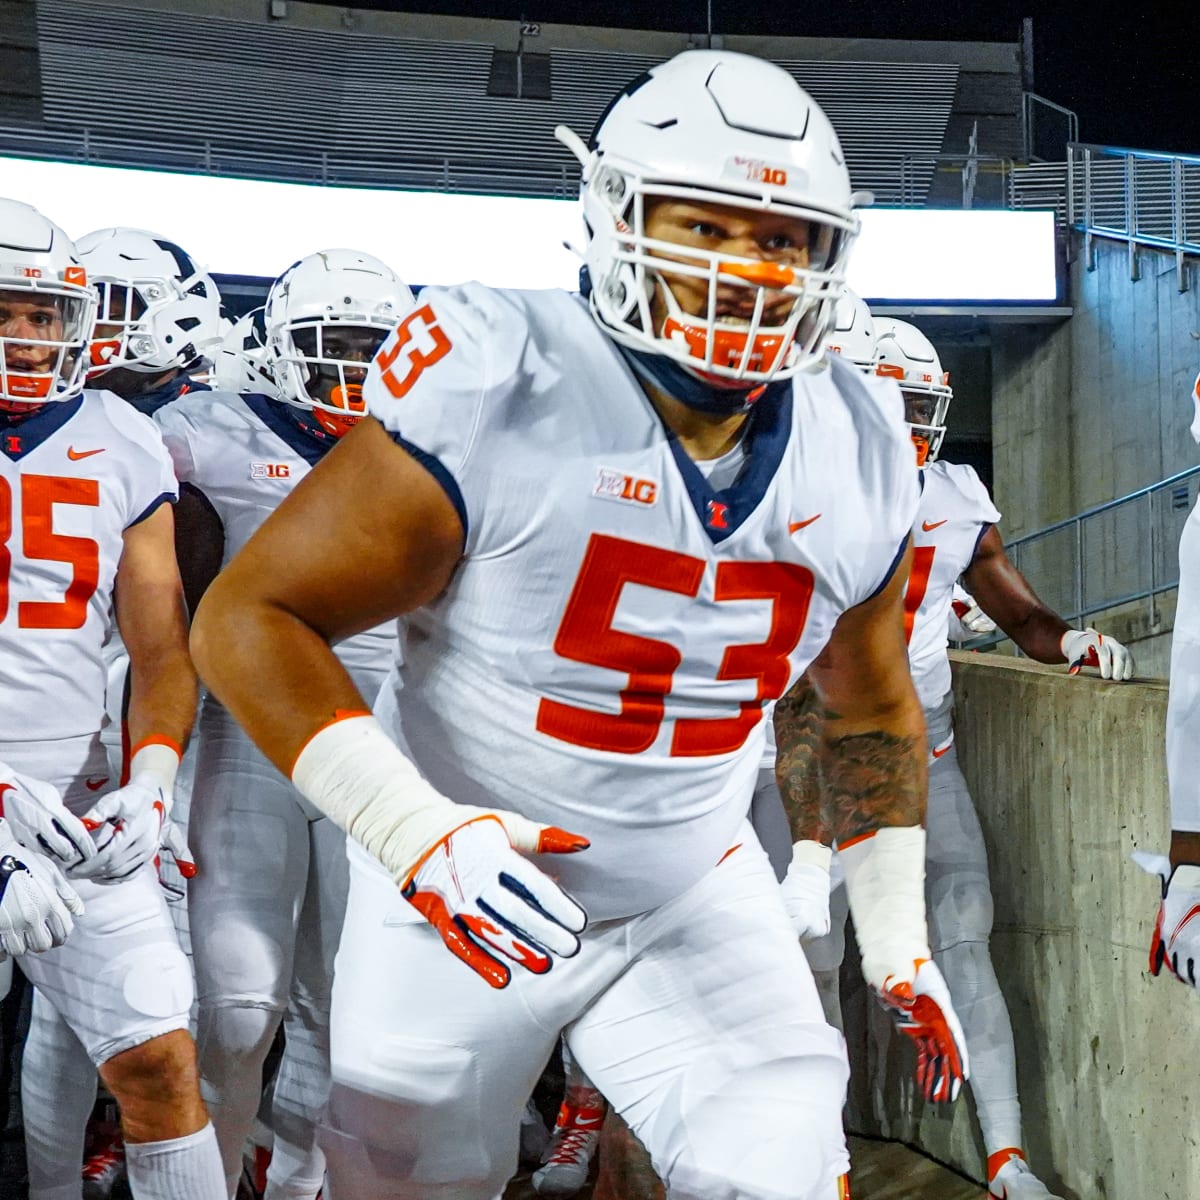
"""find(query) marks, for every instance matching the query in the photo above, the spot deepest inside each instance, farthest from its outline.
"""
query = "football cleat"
(569, 1155)
(535, 1137)
(104, 1171)
(1009, 1178)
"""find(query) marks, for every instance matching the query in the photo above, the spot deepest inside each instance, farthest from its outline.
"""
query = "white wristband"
(157, 764)
(355, 774)
(885, 883)
(812, 853)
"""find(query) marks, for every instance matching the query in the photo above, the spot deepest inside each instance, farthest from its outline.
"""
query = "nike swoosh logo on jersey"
(75, 455)
(796, 526)
(94, 785)
(943, 750)
(931, 525)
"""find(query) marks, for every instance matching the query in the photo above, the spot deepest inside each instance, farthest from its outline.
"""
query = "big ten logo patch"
(618, 485)
(268, 470)
(755, 170)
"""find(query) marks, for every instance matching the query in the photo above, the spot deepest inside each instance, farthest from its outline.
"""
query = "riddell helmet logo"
(617, 485)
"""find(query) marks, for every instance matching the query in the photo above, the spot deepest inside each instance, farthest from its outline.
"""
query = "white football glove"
(174, 843)
(36, 903)
(967, 619)
(457, 864)
(1175, 943)
(127, 825)
(806, 887)
(38, 818)
(1088, 648)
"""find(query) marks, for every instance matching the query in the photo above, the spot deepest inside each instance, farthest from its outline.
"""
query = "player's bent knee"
(413, 1124)
(158, 1071)
(798, 1151)
(239, 1032)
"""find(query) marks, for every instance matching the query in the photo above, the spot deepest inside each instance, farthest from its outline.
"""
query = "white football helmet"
(47, 310)
(853, 335)
(158, 310)
(715, 128)
(325, 318)
(240, 365)
(907, 356)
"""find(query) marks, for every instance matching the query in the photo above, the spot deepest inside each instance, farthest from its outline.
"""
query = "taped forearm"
(355, 774)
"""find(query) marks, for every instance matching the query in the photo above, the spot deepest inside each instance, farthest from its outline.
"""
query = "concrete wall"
(1068, 776)
(1098, 406)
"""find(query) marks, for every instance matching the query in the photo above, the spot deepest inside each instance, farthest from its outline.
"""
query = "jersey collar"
(312, 444)
(23, 437)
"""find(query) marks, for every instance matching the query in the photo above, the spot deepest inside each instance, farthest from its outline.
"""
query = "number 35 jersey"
(954, 513)
(73, 478)
(602, 655)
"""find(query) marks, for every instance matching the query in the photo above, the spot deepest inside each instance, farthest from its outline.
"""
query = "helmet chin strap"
(681, 384)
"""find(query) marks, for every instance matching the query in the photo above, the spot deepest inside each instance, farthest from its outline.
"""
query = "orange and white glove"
(805, 889)
(127, 823)
(1175, 943)
(460, 866)
(885, 882)
(1088, 648)
(38, 818)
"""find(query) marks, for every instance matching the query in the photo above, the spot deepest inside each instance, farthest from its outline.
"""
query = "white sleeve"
(149, 478)
(177, 428)
(446, 380)
(978, 504)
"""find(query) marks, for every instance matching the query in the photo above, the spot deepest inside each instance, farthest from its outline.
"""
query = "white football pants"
(697, 1020)
(266, 912)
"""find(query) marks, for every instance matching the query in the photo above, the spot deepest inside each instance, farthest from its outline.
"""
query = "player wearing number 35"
(619, 524)
(86, 524)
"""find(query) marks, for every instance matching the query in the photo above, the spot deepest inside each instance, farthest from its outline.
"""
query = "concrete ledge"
(1069, 776)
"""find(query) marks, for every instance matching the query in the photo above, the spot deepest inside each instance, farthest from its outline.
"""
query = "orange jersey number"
(420, 341)
(39, 494)
(586, 635)
(918, 583)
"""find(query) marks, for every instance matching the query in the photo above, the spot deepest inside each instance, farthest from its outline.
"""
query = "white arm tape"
(355, 774)
(157, 764)
(885, 883)
(813, 853)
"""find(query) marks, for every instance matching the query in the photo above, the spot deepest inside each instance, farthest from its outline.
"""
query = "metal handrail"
(1141, 197)
(1028, 101)
(909, 187)
(1150, 580)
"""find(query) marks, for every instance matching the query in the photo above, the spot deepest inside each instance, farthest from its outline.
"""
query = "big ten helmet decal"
(854, 334)
(325, 318)
(907, 356)
(158, 309)
(47, 311)
(716, 128)
(241, 363)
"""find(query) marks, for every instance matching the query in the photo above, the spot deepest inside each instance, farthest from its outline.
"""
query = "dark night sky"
(1131, 75)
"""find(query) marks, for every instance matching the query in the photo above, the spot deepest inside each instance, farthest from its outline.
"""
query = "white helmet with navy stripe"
(715, 127)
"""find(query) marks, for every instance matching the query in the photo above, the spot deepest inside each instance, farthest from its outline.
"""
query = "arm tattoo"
(837, 786)
(873, 779)
(799, 738)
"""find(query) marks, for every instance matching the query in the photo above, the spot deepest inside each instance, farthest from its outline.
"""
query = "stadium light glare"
(258, 228)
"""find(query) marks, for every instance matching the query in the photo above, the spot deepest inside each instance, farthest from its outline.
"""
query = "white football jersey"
(245, 455)
(75, 477)
(603, 653)
(954, 513)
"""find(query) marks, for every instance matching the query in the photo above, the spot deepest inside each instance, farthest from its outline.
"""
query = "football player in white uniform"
(268, 902)
(158, 316)
(1175, 944)
(598, 514)
(955, 536)
(86, 482)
